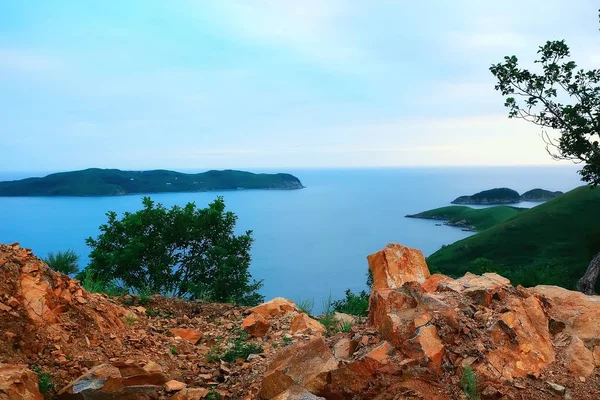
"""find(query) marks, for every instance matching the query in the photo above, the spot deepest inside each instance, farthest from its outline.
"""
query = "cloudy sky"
(271, 83)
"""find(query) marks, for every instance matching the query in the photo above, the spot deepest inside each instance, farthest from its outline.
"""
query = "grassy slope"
(107, 182)
(564, 232)
(481, 219)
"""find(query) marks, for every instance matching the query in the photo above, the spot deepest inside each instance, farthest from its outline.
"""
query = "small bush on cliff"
(188, 251)
(45, 383)
(469, 384)
(353, 304)
(65, 262)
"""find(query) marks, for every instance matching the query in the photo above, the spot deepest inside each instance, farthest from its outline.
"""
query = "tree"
(565, 100)
(186, 251)
(65, 262)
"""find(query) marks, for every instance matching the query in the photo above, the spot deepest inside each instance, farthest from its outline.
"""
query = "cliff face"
(422, 333)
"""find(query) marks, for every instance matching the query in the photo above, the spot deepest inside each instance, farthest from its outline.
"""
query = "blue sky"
(271, 83)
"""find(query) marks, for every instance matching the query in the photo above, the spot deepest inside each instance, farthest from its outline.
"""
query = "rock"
(297, 393)
(579, 360)
(521, 339)
(174, 386)
(303, 364)
(191, 335)
(482, 289)
(302, 323)
(256, 325)
(14, 303)
(190, 394)
(556, 388)
(344, 319)
(396, 264)
(116, 380)
(273, 308)
(431, 284)
(152, 368)
(490, 392)
(345, 348)
(17, 382)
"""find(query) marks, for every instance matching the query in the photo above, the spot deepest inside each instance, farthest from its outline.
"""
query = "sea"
(310, 244)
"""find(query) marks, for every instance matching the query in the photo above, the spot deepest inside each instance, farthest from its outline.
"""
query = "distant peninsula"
(114, 182)
(506, 196)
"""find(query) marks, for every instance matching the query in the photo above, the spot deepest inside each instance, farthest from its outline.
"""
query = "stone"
(345, 348)
(190, 394)
(304, 324)
(191, 335)
(556, 388)
(385, 301)
(174, 386)
(14, 303)
(490, 392)
(579, 359)
(297, 393)
(17, 382)
(304, 364)
(274, 308)
(396, 264)
(482, 289)
(256, 325)
(432, 283)
(344, 319)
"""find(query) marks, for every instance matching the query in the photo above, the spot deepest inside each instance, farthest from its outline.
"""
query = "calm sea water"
(309, 243)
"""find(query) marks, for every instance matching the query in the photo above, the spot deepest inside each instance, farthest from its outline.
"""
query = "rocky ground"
(422, 334)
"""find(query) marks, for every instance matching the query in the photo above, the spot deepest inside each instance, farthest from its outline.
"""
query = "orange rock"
(579, 359)
(345, 348)
(297, 393)
(431, 284)
(385, 301)
(191, 335)
(302, 323)
(14, 303)
(482, 289)
(396, 264)
(596, 354)
(303, 364)
(174, 386)
(18, 383)
(521, 339)
(190, 394)
(256, 325)
(275, 307)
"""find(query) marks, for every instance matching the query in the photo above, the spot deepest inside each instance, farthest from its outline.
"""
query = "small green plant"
(130, 320)
(238, 348)
(345, 327)
(353, 304)
(95, 283)
(151, 313)
(173, 351)
(287, 340)
(213, 395)
(306, 306)
(327, 319)
(65, 262)
(469, 384)
(145, 294)
(45, 383)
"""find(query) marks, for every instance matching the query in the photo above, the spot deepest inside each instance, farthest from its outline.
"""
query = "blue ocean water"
(309, 243)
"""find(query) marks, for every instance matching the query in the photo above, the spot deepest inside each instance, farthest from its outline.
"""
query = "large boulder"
(303, 364)
(116, 381)
(397, 264)
(18, 383)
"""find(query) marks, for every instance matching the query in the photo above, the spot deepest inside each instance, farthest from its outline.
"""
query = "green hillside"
(114, 182)
(470, 218)
(551, 243)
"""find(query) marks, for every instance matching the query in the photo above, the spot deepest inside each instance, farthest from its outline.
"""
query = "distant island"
(506, 196)
(114, 182)
(470, 219)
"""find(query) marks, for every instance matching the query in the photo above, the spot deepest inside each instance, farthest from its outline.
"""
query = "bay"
(309, 243)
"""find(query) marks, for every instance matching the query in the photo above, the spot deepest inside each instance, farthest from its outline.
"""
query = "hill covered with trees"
(114, 182)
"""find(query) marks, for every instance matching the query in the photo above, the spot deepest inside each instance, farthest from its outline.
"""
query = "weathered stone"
(344, 319)
(273, 308)
(556, 388)
(395, 265)
(304, 364)
(174, 386)
(482, 289)
(18, 383)
(256, 325)
(191, 335)
(345, 348)
(431, 284)
(190, 394)
(384, 301)
(297, 393)
(579, 359)
(302, 323)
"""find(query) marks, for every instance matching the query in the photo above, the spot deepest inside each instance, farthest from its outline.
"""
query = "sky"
(256, 84)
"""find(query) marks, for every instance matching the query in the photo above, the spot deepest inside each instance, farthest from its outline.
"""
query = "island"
(115, 182)
(470, 219)
(539, 195)
(492, 196)
(506, 196)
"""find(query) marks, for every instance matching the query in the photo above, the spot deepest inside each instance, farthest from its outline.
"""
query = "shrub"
(238, 348)
(353, 304)
(469, 384)
(188, 251)
(306, 306)
(45, 383)
(65, 262)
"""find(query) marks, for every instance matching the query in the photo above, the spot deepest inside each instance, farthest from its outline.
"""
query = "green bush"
(469, 384)
(188, 251)
(353, 304)
(238, 348)
(45, 383)
(65, 262)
